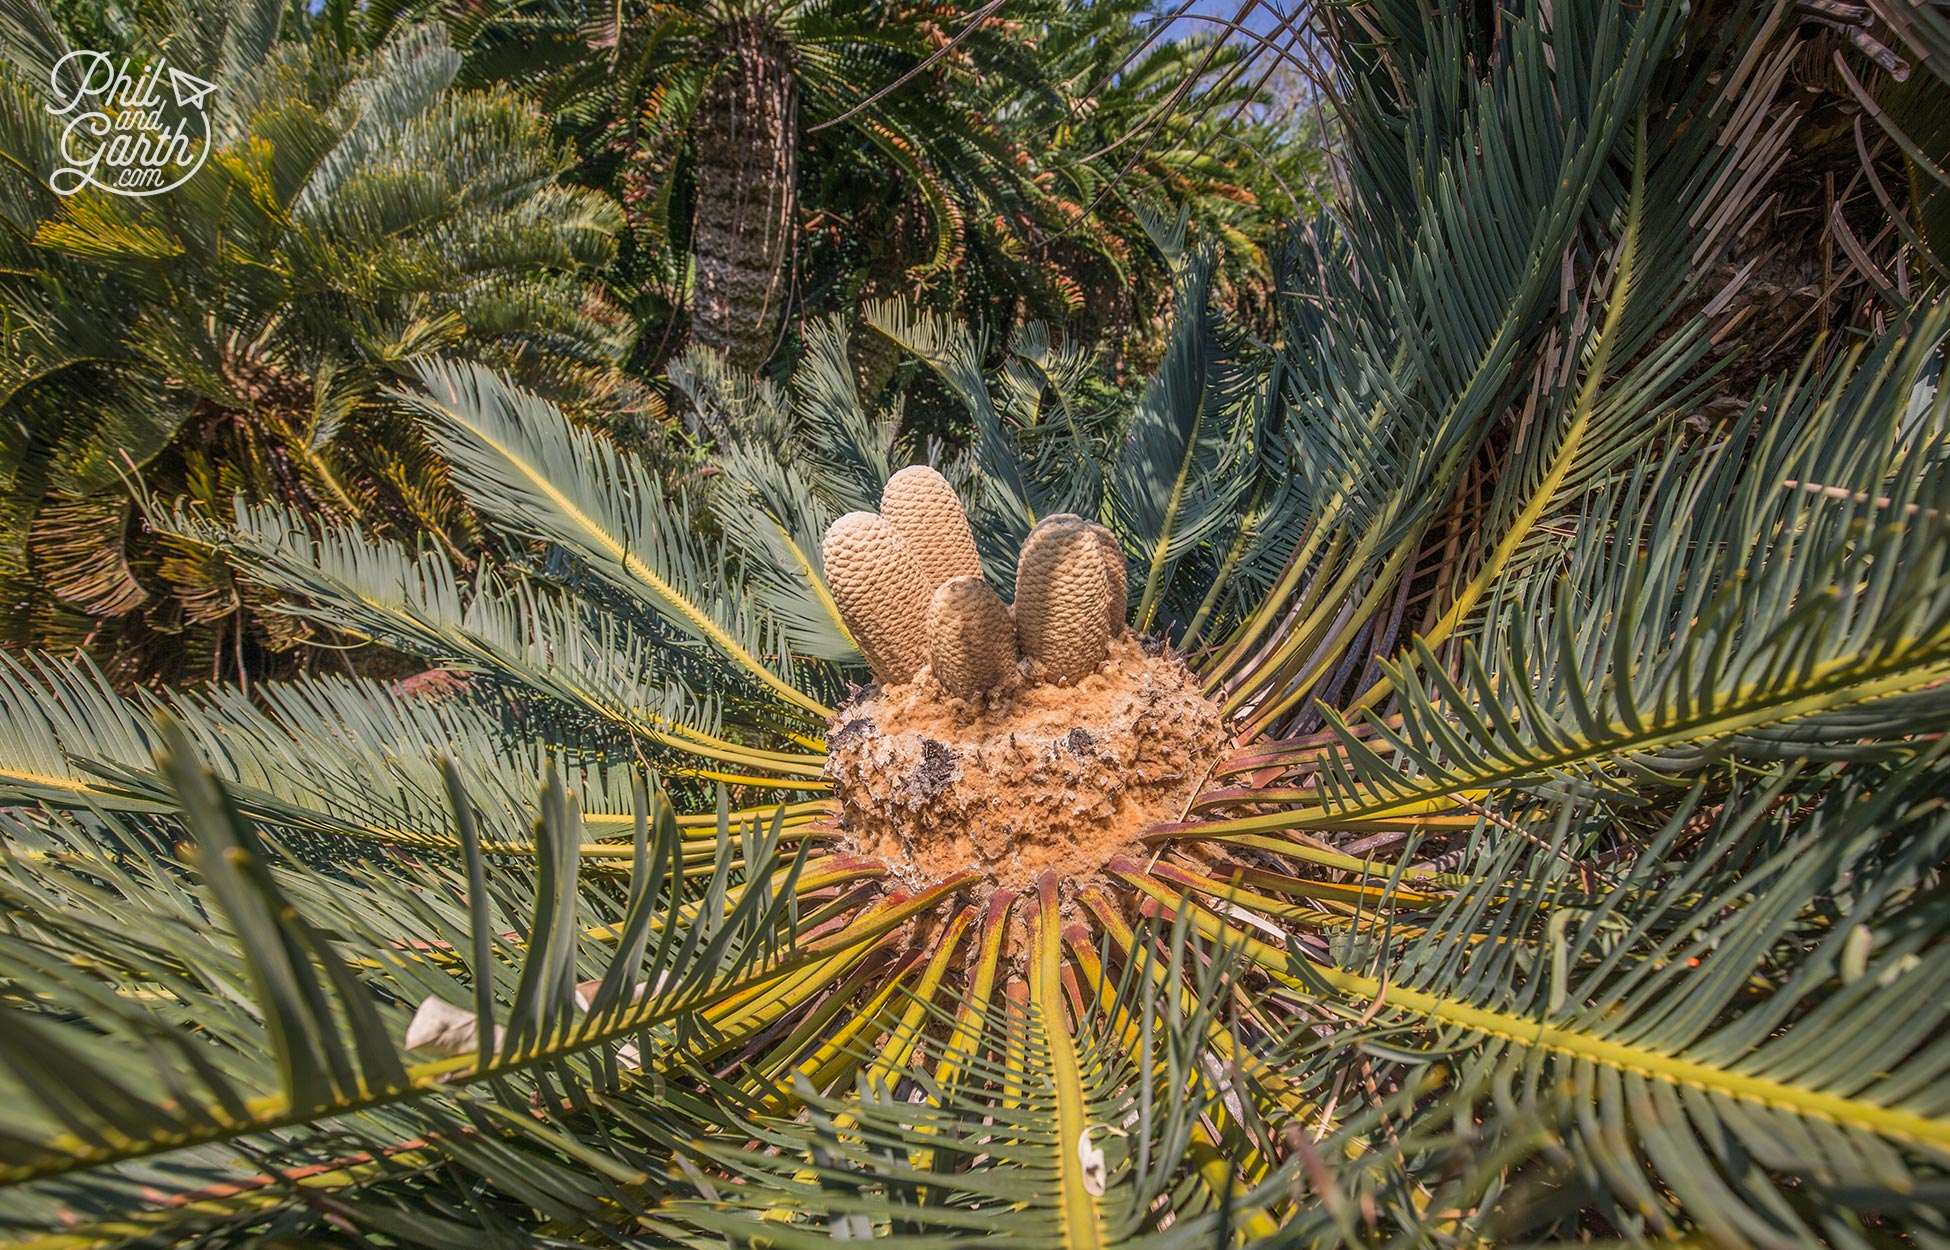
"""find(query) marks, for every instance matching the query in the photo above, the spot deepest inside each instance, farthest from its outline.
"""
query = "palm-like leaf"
(1699, 1028)
(525, 465)
(587, 662)
(352, 214)
(308, 1040)
(1189, 454)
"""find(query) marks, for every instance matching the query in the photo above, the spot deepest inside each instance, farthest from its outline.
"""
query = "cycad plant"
(781, 160)
(701, 115)
(1145, 124)
(238, 333)
(1564, 860)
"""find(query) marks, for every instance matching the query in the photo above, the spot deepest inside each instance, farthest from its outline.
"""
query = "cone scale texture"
(971, 640)
(880, 592)
(1063, 599)
(919, 503)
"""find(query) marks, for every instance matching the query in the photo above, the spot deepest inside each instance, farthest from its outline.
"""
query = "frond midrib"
(1841, 683)
(69, 1154)
(699, 619)
(1854, 1113)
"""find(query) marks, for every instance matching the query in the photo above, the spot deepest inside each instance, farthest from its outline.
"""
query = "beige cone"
(1063, 599)
(971, 640)
(921, 504)
(1119, 602)
(880, 593)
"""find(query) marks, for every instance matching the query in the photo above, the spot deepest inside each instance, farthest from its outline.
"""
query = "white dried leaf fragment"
(586, 991)
(1095, 1173)
(444, 1029)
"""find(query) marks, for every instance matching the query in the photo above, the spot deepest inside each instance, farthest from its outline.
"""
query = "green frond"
(1746, 1038)
(1079, 1105)
(848, 452)
(786, 468)
(356, 208)
(1025, 463)
(593, 664)
(520, 461)
(1395, 380)
(1004, 505)
(776, 520)
(328, 966)
(1704, 638)
(1568, 868)
(327, 756)
(732, 406)
(268, 962)
(1189, 454)
(1043, 388)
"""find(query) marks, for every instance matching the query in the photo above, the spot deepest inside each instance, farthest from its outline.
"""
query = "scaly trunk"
(747, 174)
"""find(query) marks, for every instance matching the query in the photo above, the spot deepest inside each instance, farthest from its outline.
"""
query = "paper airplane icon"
(189, 89)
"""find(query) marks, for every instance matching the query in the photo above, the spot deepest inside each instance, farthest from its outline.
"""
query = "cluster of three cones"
(909, 586)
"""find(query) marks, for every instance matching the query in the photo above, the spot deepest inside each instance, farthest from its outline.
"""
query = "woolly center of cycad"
(1033, 778)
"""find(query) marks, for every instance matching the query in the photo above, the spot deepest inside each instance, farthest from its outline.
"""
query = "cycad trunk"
(747, 171)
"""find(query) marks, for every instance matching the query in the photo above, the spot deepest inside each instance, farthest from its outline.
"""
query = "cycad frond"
(1084, 1106)
(322, 1045)
(1836, 629)
(787, 468)
(1005, 498)
(1190, 452)
(262, 993)
(1397, 384)
(1546, 847)
(351, 211)
(592, 664)
(520, 461)
(1741, 1038)
(326, 756)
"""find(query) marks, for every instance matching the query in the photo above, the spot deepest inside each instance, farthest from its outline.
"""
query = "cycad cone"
(1063, 600)
(1011, 741)
(971, 640)
(921, 504)
(880, 593)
